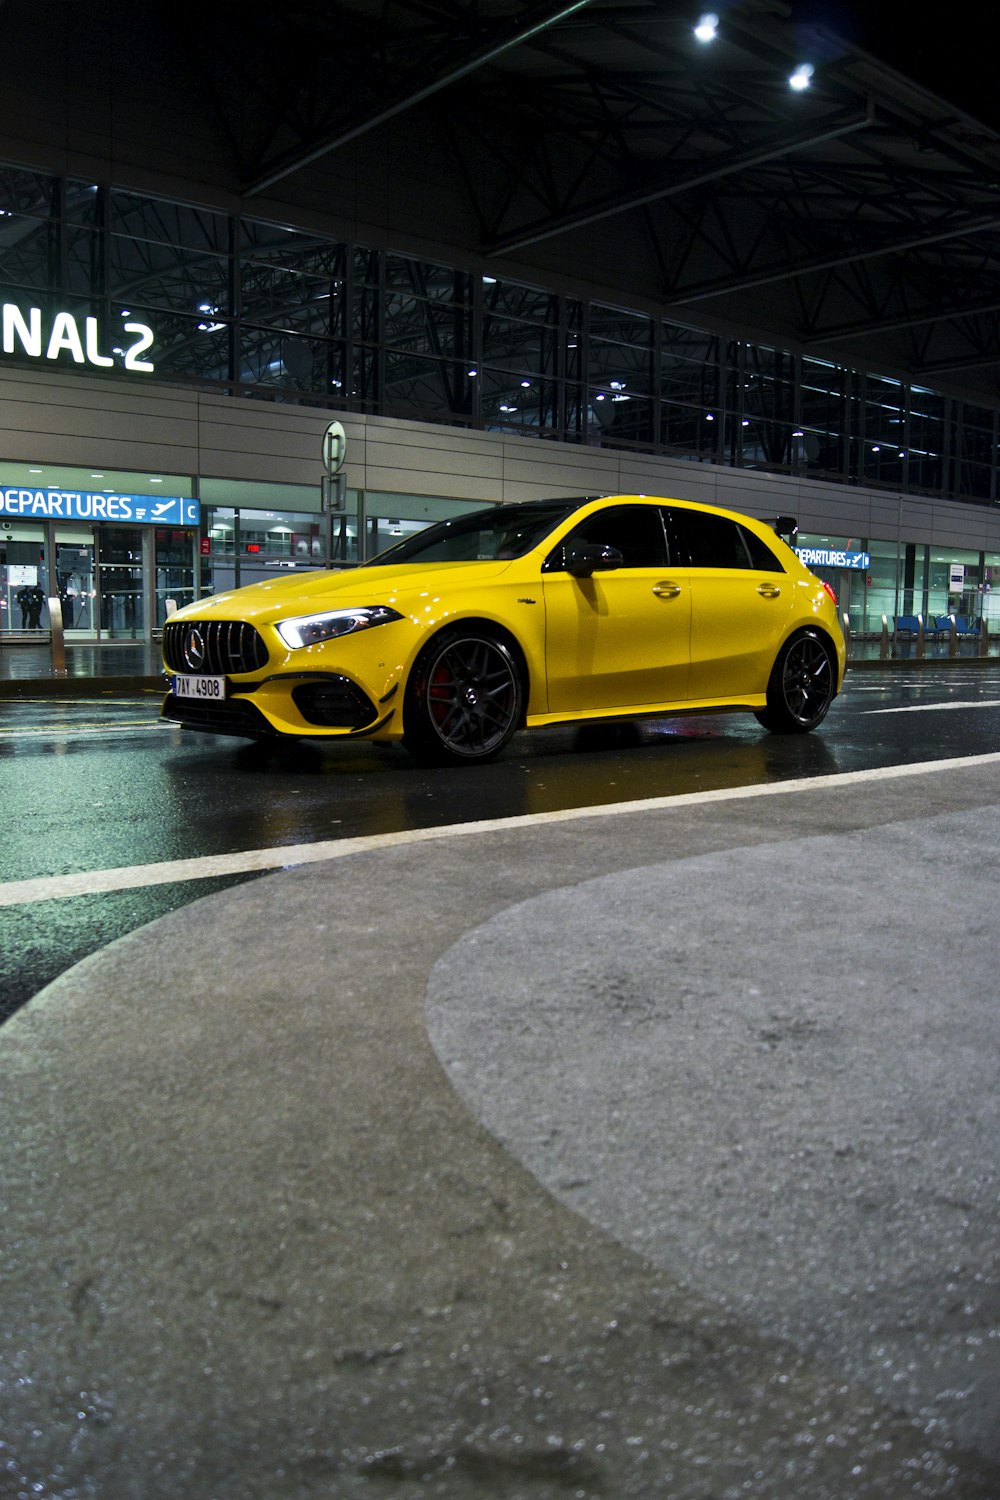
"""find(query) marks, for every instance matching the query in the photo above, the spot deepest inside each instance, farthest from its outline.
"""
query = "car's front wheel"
(463, 698)
(801, 687)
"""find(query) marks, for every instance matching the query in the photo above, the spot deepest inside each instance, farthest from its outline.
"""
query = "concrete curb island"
(287, 1215)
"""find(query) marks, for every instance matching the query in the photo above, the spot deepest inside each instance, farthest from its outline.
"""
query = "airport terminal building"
(172, 354)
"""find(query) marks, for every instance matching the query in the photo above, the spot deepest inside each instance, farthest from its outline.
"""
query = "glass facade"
(243, 544)
(908, 578)
(122, 582)
(274, 312)
(96, 573)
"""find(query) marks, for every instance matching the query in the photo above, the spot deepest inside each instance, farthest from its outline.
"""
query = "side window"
(761, 556)
(701, 540)
(636, 530)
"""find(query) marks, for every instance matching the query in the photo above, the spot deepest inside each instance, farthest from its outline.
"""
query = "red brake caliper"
(439, 694)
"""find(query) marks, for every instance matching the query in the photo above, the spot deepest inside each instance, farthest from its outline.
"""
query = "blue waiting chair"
(908, 624)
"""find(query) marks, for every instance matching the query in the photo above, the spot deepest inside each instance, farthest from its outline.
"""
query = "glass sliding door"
(76, 581)
(174, 571)
(24, 583)
(121, 612)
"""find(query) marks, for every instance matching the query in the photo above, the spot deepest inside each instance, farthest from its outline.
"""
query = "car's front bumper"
(304, 703)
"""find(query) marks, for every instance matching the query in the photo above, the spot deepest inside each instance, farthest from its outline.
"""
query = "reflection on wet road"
(97, 785)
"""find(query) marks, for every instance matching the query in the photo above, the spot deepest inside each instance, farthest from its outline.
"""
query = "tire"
(463, 699)
(801, 687)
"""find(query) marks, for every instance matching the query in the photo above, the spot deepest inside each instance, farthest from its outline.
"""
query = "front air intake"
(334, 702)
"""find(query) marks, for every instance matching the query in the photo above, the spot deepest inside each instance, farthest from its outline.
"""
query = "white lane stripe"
(60, 731)
(204, 867)
(926, 708)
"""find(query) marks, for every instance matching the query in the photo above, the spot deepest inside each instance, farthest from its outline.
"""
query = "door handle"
(666, 590)
(768, 590)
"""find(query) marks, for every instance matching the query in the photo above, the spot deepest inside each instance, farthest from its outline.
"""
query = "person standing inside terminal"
(30, 599)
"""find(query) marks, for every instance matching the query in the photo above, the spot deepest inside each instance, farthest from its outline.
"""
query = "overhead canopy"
(591, 144)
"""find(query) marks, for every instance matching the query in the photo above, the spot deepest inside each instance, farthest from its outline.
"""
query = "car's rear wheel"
(801, 687)
(463, 698)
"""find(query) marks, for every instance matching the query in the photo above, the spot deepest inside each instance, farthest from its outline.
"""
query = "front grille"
(227, 717)
(225, 646)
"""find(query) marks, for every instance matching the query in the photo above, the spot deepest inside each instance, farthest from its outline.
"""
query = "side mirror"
(587, 558)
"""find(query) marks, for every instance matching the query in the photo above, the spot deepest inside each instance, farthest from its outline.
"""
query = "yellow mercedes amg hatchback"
(513, 617)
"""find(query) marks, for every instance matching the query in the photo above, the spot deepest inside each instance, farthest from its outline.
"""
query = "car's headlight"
(310, 630)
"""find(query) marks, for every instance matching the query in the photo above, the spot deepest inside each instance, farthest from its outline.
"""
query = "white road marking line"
(71, 701)
(59, 731)
(205, 867)
(926, 708)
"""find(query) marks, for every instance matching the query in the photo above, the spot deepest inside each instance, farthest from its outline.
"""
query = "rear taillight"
(829, 589)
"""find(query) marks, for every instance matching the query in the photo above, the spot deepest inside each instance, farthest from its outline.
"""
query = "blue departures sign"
(828, 557)
(23, 504)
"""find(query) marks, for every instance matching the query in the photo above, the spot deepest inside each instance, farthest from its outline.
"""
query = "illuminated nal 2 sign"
(29, 331)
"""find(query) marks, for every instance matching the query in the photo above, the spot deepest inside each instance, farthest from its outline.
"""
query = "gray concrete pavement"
(478, 1168)
(753, 1068)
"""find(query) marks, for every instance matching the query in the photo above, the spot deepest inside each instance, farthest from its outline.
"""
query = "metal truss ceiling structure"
(596, 143)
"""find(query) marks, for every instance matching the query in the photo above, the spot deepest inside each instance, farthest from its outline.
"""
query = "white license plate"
(199, 687)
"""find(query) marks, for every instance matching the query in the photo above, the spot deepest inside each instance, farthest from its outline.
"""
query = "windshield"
(502, 532)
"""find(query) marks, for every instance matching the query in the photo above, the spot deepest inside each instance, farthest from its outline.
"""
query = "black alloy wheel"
(801, 687)
(463, 699)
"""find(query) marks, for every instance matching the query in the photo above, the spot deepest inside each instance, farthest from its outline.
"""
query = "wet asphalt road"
(90, 785)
